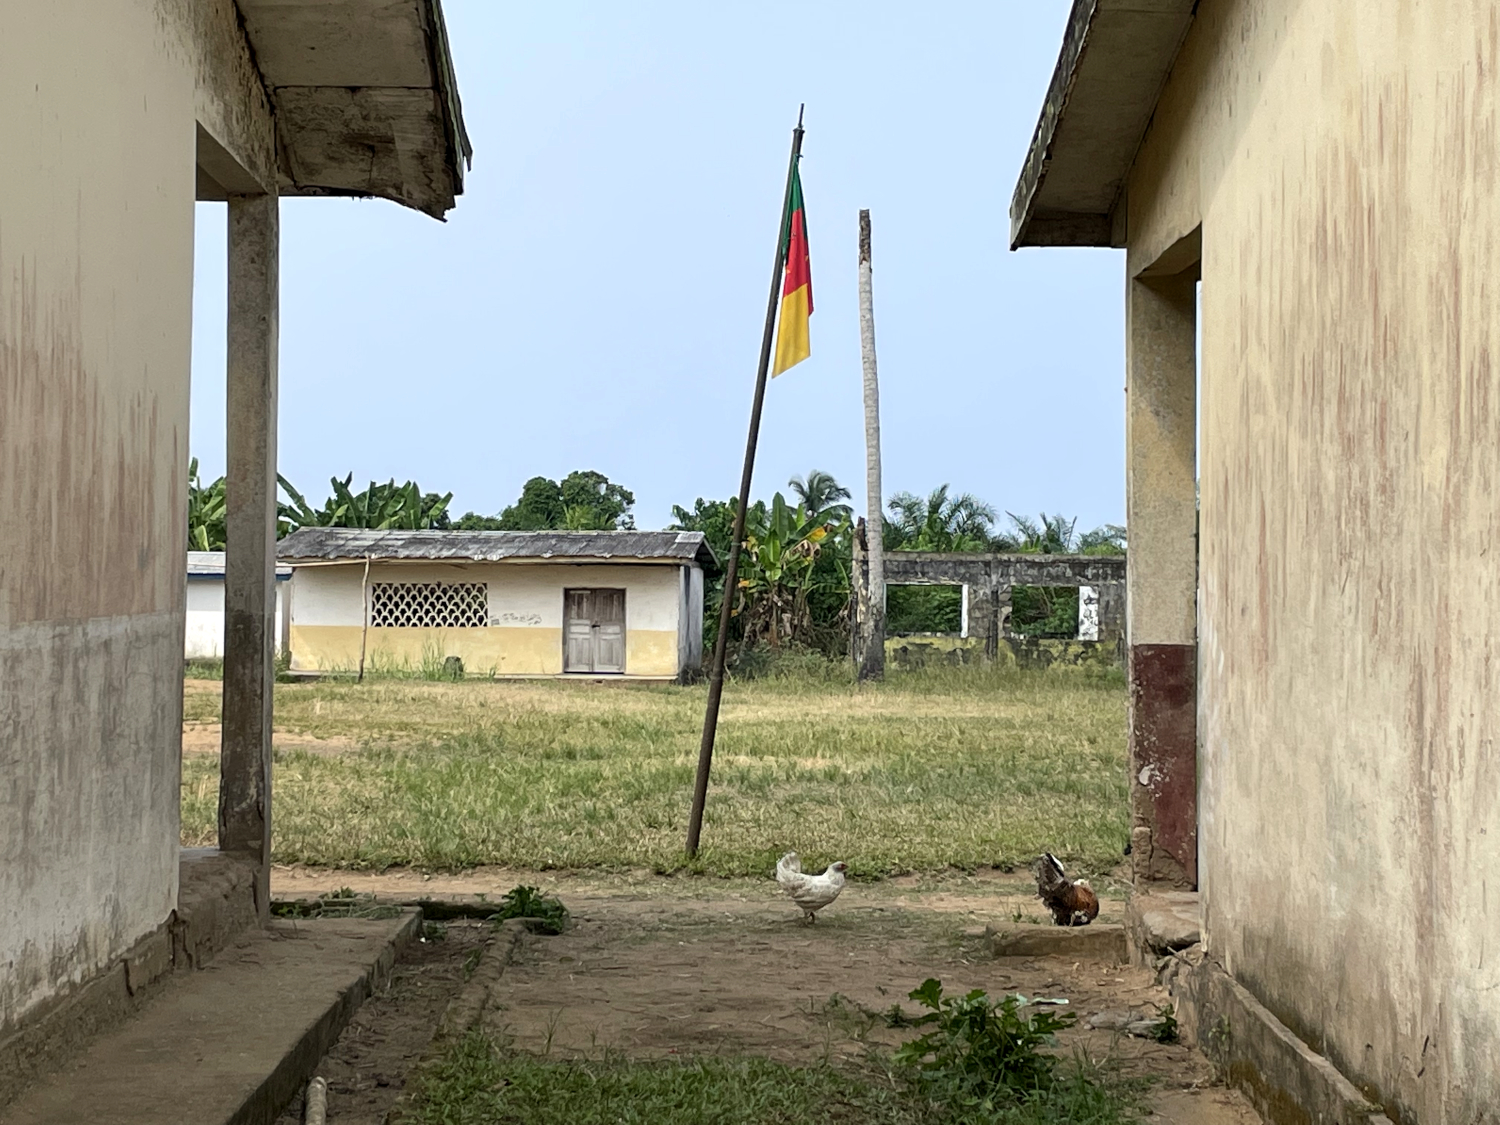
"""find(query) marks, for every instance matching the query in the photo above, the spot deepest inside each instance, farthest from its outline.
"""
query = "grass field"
(962, 767)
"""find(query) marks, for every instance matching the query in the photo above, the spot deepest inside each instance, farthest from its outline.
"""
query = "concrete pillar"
(1111, 612)
(250, 534)
(1162, 577)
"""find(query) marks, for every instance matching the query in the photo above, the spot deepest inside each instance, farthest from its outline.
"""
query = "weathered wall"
(204, 632)
(690, 619)
(525, 634)
(1342, 158)
(97, 124)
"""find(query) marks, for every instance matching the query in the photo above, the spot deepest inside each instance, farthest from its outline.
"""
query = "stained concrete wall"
(99, 102)
(524, 636)
(1342, 159)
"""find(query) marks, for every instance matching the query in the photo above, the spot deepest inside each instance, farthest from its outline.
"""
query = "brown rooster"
(1073, 903)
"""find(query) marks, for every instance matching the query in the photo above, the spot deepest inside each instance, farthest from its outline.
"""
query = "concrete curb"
(1286, 1080)
(466, 1009)
(1101, 941)
(301, 1062)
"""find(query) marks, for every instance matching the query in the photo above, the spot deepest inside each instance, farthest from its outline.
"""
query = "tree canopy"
(793, 585)
(582, 501)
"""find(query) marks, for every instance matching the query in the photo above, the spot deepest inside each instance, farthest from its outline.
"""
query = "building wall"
(525, 634)
(205, 618)
(1344, 161)
(690, 643)
(98, 105)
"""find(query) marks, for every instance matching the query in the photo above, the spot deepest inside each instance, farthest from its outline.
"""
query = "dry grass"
(957, 767)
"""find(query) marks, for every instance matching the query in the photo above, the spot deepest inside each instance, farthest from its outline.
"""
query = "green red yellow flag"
(792, 342)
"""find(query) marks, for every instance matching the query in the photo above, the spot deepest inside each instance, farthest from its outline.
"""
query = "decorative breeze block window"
(431, 605)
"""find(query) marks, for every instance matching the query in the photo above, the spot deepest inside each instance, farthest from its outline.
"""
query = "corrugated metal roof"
(328, 544)
(210, 564)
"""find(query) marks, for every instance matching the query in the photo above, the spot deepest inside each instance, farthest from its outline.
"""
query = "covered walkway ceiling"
(1115, 58)
(364, 98)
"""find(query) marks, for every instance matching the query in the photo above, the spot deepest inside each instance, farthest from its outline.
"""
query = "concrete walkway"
(231, 1043)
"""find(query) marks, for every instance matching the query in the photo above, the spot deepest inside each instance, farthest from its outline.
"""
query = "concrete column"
(250, 533)
(1162, 577)
(1111, 612)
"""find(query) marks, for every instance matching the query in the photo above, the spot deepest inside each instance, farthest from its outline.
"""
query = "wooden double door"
(594, 631)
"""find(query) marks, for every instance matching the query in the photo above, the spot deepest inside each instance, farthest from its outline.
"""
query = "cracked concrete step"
(232, 1043)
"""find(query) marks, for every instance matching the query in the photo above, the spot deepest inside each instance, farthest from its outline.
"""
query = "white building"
(205, 605)
(506, 603)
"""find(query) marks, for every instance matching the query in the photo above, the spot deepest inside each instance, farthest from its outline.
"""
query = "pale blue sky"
(596, 299)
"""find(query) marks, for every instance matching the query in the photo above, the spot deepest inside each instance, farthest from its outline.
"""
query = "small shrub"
(1164, 1029)
(980, 1052)
(546, 914)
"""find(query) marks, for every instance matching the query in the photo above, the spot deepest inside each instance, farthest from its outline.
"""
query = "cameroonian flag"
(792, 345)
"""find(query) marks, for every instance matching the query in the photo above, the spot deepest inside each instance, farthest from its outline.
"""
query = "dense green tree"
(581, 501)
(539, 508)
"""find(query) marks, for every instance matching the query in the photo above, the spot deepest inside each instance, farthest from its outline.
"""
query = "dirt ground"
(368, 1065)
(655, 967)
(204, 738)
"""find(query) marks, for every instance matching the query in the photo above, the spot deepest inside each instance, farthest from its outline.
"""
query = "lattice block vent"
(431, 605)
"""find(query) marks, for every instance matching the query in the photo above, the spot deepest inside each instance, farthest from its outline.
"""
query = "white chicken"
(810, 892)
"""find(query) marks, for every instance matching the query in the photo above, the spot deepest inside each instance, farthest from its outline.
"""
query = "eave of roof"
(210, 564)
(344, 544)
(1116, 56)
(365, 98)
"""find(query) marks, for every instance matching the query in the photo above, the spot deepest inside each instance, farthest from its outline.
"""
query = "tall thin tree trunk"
(872, 662)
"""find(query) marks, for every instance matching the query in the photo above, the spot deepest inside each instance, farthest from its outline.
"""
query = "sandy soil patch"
(657, 967)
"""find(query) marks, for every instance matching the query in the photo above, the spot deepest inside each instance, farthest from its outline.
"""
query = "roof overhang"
(322, 546)
(364, 96)
(1116, 56)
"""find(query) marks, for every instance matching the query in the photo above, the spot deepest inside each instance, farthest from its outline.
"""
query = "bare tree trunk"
(872, 660)
(859, 595)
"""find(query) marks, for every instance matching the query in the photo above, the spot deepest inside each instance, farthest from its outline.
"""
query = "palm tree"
(1052, 535)
(819, 491)
(939, 522)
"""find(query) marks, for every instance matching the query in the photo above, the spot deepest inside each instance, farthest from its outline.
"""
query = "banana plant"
(205, 512)
(380, 506)
(781, 548)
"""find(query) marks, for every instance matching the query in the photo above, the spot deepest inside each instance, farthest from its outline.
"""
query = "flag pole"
(732, 568)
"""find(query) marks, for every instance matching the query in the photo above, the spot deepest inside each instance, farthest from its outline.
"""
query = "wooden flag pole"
(732, 568)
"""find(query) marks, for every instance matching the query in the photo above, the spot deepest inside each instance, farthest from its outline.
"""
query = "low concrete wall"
(918, 650)
(216, 901)
(989, 579)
